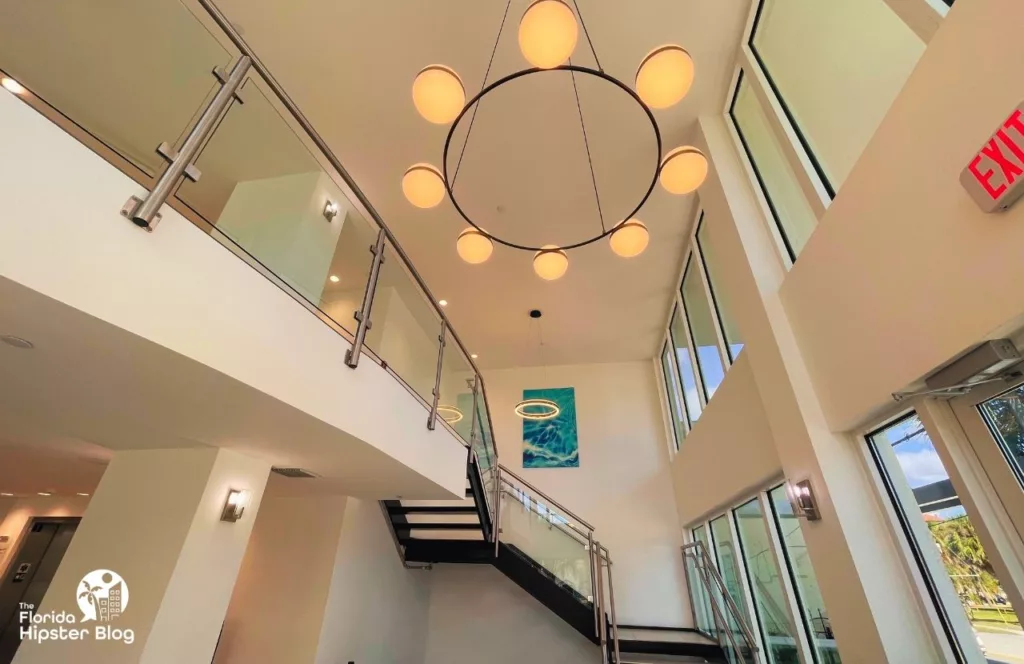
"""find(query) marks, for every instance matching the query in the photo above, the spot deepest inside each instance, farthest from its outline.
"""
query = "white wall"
(479, 615)
(179, 289)
(623, 485)
(280, 220)
(376, 611)
(904, 270)
(729, 453)
(155, 520)
(16, 512)
(278, 603)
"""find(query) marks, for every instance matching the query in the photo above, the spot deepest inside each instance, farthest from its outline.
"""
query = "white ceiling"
(350, 65)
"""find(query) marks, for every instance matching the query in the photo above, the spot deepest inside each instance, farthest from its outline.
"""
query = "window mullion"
(793, 607)
(716, 315)
(792, 148)
(698, 375)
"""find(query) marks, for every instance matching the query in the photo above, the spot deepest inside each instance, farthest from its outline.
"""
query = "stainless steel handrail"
(506, 471)
(581, 537)
(702, 550)
(278, 90)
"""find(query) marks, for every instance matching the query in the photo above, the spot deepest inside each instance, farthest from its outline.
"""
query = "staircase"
(546, 550)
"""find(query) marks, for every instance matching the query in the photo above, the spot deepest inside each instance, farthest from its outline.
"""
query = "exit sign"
(995, 176)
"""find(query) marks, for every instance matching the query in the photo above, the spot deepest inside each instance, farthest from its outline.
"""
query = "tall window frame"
(693, 259)
(791, 604)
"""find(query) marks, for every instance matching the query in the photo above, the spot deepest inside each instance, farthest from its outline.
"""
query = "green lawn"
(994, 615)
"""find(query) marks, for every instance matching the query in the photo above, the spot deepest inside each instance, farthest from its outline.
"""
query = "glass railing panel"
(406, 329)
(548, 538)
(133, 74)
(266, 191)
(455, 402)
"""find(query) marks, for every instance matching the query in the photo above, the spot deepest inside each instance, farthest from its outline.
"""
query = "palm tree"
(90, 592)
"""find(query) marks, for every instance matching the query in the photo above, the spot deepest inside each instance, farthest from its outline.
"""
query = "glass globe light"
(423, 186)
(664, 76)
(547, 33)
(473, 246)
(550, 263)
(630, 239)
(683, 170)
(438, 94)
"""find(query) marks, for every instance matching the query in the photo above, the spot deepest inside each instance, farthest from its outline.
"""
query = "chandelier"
(548, 33)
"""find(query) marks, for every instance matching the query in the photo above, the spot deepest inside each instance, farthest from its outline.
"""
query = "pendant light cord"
(586, 144)
(587, 34)
(483, 85)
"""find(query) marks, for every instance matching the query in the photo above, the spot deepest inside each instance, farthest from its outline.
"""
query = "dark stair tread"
(411, 525)
(433, 509)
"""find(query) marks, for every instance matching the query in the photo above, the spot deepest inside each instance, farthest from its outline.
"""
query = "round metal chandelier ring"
(527, 72)
(551, 409)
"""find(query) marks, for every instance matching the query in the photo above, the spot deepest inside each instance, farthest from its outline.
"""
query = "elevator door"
(29, 575)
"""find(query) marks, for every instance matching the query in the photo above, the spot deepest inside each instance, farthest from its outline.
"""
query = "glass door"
(992, 417)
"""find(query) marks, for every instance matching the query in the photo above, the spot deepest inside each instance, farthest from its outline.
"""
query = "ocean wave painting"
(552, 443)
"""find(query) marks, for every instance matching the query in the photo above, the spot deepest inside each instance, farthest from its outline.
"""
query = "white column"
(278, 604)
(155, 520)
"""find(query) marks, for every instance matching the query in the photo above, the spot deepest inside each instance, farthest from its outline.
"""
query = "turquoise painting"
(552, 443)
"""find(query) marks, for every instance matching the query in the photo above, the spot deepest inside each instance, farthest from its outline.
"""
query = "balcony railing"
(169, 93)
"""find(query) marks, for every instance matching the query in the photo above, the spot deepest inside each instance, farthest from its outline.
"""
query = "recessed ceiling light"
(13, 86)
(443, 303)
(17, 342)
(81, 494)
(45, 493)
(335, 279)
(6, 495)
(474, 356)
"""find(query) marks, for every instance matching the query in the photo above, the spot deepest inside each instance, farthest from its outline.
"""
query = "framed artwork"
(552, 443)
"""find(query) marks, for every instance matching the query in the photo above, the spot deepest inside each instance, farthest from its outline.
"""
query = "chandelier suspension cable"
(587, 35)
(586, 143)
(483, 85)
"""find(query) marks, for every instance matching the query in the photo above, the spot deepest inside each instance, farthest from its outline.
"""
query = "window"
(812, 606)
(719, 298)
(1004, 415)
(702, 329)
(972, 605)
(677, 333)
(675, 400)
(704, 614)
(792, 213)
(777, 633)
(836, 67)
(727, 556)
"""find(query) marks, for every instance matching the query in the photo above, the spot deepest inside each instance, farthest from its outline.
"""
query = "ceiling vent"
(298, 473)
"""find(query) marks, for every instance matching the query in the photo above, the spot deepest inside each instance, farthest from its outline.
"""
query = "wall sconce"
(330, 210)
(801, 497)
(235, 505)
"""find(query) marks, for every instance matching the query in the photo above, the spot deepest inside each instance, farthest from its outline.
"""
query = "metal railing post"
(497, 510)
(472, 417)
(595, 577)
(363, 315)
(602, 623)
(611, 605)
(145, 212)
(432, 418)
